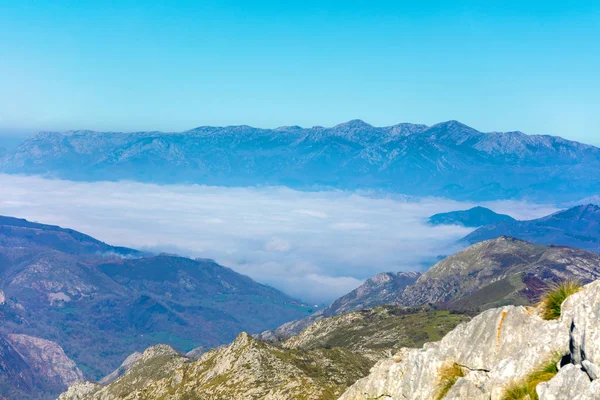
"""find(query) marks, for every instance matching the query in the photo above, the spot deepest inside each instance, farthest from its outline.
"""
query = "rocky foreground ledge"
(494, 352)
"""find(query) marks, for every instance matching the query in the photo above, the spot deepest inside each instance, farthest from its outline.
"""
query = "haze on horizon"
(172, 66)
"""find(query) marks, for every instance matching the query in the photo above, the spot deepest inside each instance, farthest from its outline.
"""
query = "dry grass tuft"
(553, 299)
(525, 388)
(448, 375)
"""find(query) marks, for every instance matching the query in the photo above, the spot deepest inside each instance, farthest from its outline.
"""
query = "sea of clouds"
(314, 246)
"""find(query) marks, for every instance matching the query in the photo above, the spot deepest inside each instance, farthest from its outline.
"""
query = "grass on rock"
(448, 375)
(525, 388)
(553, 299)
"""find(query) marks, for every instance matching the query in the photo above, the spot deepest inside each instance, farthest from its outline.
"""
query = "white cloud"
(313, 245)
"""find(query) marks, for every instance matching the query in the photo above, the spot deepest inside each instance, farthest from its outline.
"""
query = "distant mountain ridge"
(449, 159)
(471, 218)
(576, 227)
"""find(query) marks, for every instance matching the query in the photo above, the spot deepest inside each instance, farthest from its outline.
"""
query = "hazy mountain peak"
(473, 218)
(578, 227)
(353, 125)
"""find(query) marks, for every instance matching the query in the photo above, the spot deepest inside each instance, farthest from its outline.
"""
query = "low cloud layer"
(315, 246)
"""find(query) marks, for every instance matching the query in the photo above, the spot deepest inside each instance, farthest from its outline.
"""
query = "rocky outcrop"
(248, 369)
(496, 349)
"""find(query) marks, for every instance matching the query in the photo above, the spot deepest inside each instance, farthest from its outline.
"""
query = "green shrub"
(557, 293)
(448, 375)
(525, 387)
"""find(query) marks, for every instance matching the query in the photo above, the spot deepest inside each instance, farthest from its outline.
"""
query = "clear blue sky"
(173, 65)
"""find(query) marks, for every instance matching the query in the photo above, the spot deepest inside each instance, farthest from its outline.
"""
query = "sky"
(174, 65)
(315, 246)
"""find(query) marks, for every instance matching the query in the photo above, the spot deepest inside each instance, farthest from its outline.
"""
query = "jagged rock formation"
(448, 159)
(499, 271)
(472, 218)
(101, 303)
(247, 369)
(496, 349)
(34, 368)
(577, 227)
(381, 289)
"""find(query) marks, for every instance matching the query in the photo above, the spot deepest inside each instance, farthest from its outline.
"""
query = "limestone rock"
(581, 312)
(79, 391)
(570, 383)
(494, 348)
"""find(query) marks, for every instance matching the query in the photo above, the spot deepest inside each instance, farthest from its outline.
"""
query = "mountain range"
(101, 303)
(578, 227)
(449, 159)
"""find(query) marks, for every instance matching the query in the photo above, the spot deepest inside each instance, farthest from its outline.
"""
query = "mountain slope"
(487, 274)
(374, 332)
(34, 368)
(576, 227)
(472, 218)
(499, 271)
(448, 159)
(102, 303)
(379, 290)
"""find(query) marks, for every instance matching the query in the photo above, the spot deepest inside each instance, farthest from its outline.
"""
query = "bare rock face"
(79, 391)
(34, 368)
(582, 312)
(570, 383)
(495, 349)
(47, 359)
